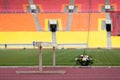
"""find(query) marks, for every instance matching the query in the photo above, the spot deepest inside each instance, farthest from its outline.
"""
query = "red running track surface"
(72, 74)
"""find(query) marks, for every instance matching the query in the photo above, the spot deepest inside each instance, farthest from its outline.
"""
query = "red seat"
(95, 5)
(52, 5)
(2, 6)
(16, 5)
(116, 4)
(83, 5)
(116, 25)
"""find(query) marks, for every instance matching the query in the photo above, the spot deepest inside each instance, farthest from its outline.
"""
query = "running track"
(72, 73)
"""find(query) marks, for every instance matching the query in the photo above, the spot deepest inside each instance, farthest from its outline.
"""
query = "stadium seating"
(2, 6)
(114, 29)
(95, 5)
(97, 39)
(85, 27)
(23, 38)
(115, 41)
(56, 5)
(17, 22)
(116, 25)
(97, 36)
(83, 5)
(77, 37)
(17, 5)
(119, 26)
(62, 20)
(116, 4)
(13, 6)
(89, 5)
(52, 5)
(80, 22)
(94, 21)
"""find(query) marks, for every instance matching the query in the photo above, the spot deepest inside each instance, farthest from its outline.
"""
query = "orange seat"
(84, 21)
(17, 22)
(79, 22)
(94, 19)
(62, 17)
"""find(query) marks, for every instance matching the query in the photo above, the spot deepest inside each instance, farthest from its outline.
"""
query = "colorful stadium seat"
(89, 5)
(52, 5)
(86, 25)
(80, 22)
(94, 21)
(72, 37)
(62, 20)
(2, 6)
(13, 6)
(23, 38)
(17, 22)
(83, 5)
(115, 41)
(17, 5)
(116, 25)
(96, 5)
(116, 4)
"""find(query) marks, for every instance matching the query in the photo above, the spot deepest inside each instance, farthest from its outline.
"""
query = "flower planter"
(84, 60)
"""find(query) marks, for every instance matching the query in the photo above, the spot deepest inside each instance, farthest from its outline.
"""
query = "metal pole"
(54, 55)
(54, 47)
(89, 23)
(40, 58)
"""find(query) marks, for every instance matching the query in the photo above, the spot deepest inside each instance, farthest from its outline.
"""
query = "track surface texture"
(72, 73)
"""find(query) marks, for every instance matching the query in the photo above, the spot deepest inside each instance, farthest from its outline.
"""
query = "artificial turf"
(64, 57)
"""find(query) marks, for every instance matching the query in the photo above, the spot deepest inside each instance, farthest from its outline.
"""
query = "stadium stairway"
(31, 1)
(37, 22)
(72, 2)
(69, 21)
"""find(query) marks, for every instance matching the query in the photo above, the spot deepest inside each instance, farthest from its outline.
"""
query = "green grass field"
(29, 57)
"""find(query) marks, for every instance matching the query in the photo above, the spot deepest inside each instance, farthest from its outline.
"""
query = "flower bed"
(84, 60)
